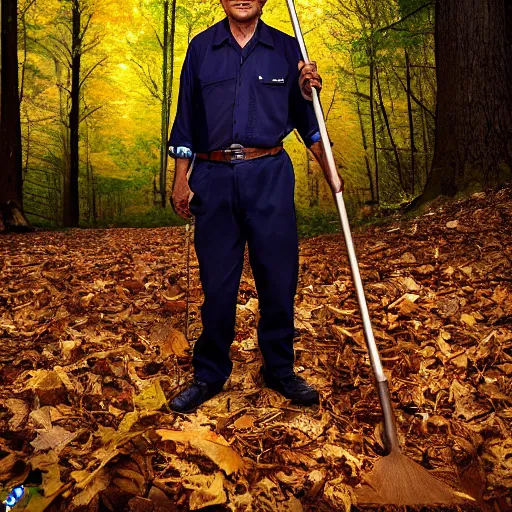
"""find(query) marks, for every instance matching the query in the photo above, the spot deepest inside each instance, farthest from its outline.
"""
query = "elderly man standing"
(243, 89)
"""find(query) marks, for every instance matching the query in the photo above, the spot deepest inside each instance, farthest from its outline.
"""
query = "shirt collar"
(223, 33)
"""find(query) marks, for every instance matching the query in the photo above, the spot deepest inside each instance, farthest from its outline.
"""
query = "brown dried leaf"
(244, 422)
(56, 439)
(96, 485)
(20, 411)
(208, 490)
(338, 495)
(214, 446)
(48, 464)
(170, 340)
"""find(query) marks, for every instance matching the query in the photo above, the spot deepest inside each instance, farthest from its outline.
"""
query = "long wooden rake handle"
(337, 190)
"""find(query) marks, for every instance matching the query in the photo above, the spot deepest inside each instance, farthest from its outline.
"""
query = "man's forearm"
(332, 177)
(181, 168)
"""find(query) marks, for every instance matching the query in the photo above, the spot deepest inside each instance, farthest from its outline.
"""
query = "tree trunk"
(374, 130)
(72, 213)
(11, 178)
(388, 128)
(473, 135)
(363, 134)
(164, 114)
(411, 122)
(508, 43)
(424, 134)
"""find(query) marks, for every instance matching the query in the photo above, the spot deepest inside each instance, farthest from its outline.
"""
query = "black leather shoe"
(294, 388)
(195, 395)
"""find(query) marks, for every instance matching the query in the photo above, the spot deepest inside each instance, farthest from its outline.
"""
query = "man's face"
(243, 10)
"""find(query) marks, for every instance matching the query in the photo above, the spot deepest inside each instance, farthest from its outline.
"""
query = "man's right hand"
(180, 196)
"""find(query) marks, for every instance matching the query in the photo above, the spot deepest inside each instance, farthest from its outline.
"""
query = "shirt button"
(234, 122)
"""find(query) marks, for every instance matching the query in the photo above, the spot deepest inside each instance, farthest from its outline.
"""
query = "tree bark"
(374, 129)
(363, 134)
(164, 111)
(72, 213)
(411, 122)
(11, 177)
(508, 43)
(388, 128)
(473, 133)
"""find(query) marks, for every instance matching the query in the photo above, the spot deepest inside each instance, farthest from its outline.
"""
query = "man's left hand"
(309, 78)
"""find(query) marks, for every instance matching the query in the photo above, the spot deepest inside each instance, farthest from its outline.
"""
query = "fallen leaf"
(338, 495)
(56, 438)
(94, 486)
(20, 411)
(48, 464)
(244, 422)
(468, 319)
(170, 340)
(214, 446)
(151, 398)
(208, 490)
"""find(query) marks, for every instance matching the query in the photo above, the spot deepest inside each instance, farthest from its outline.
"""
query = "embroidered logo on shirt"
(275, 80)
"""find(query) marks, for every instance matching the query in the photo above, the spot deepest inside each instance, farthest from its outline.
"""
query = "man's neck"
(243, 32)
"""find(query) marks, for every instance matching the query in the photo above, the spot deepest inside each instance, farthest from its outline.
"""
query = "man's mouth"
(242, 5)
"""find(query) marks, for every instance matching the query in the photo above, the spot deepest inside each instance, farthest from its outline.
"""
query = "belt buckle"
(236, 152)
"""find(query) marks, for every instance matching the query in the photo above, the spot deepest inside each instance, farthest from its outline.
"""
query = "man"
(243, 89)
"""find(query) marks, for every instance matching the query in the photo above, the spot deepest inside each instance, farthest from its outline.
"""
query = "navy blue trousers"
(237, 203)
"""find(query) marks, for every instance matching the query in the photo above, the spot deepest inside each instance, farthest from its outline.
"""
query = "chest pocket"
(217, 82)
(215, 70)
(274, 79)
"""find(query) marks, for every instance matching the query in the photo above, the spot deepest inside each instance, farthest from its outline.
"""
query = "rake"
(395, 479)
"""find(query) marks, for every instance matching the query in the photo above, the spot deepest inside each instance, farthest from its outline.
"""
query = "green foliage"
(152, 218)
(317, 221)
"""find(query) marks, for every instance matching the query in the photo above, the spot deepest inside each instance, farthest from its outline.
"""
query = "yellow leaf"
(151, 398)
(213, 445)
(98, 484)
(342, 313)
(468, 319)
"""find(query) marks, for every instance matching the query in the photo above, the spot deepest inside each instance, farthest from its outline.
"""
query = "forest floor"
(92, 349)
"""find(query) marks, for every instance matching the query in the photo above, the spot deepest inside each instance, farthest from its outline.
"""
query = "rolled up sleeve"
(181, 142)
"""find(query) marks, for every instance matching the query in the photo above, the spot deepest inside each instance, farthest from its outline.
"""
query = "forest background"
(98, 83)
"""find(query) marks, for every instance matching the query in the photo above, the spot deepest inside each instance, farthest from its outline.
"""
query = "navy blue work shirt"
(247, 96)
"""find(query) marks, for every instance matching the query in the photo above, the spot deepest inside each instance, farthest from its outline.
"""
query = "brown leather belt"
(238, 152)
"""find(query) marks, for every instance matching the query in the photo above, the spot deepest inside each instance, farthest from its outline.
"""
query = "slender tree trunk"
(11, 177)
(388, 128)
(374, 130)
(88, 173)
(172, 37)
(94, 198)
(363, 134)
(72, 215)
(424, 134)
(473, 135)
(508, 55)
(411, 122)
(164, 111)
